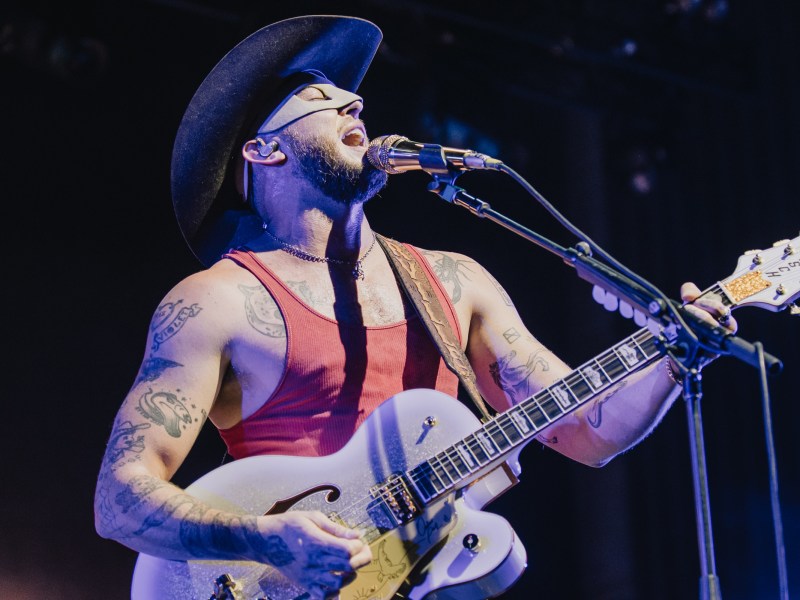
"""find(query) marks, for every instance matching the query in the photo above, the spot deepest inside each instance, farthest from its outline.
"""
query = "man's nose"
(353, 109)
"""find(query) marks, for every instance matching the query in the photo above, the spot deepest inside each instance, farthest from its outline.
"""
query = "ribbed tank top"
(336, 374)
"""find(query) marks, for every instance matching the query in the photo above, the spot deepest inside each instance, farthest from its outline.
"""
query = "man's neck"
(342, 235)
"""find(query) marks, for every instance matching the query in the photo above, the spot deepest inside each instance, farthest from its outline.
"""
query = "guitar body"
(424, 557)
(417, 473)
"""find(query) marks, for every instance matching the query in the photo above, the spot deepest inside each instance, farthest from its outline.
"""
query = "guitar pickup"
(394, 502)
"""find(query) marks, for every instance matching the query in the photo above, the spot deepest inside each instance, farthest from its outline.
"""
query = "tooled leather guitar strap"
(419, 290)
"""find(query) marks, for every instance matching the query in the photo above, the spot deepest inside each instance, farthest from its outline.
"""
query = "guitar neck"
(516, 426)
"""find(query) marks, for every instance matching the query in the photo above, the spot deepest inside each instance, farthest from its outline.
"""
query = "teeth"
(354, 137)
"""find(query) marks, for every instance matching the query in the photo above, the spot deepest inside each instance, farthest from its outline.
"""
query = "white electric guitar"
(417, 473)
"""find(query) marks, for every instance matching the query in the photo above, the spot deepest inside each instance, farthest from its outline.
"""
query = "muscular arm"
(155, 428)
(511, 365)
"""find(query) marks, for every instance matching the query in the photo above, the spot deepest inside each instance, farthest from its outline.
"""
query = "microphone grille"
(378, 152)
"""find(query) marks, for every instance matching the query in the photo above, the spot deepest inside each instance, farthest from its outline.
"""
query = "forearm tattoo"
(202, 533)
(169, 320)
(595, 415)
(450, 272)
(125, 445)
(262, 311)
(506, 298)
(515, 379)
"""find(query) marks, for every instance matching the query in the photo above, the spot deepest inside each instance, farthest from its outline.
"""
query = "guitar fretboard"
(520, 423)
(517, 425)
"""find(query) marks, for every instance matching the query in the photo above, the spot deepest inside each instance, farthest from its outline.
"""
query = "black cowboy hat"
(212, 216)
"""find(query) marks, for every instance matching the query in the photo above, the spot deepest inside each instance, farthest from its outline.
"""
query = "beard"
(319, 160)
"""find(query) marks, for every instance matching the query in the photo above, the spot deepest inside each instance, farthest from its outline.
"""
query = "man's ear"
(263, 152)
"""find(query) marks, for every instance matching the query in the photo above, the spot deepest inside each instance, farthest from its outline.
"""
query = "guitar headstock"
(768, 278)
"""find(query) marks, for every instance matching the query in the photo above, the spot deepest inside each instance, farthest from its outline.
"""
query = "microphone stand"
(684, 347)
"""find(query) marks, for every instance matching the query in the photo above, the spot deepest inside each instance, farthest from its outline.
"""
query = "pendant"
(358, 271)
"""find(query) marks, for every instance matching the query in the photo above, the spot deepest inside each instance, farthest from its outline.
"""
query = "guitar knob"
(472, 543)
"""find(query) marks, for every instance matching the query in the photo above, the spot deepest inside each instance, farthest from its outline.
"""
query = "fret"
(536, 414)
(519, 423)
(559, 399)
(627, 355)
(521, 420)
(486, 442)
(469, 458)
(510, 429)
(430, 474)
(596, 378)
(441, 471)
(635, 341)
(602, 369)
(422, 483)
(447, 461)
(454, 456)
(477, 449)
(495, 431)
(579, 387)
(649, 346)
(614, 366)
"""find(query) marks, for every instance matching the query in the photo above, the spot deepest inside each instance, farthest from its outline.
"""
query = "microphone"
(397, 154)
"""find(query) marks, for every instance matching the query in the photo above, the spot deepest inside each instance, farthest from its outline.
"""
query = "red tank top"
(336, 374)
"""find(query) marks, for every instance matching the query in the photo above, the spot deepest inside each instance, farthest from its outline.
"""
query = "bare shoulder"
(217, 297)
(210, 288)
(464, 277)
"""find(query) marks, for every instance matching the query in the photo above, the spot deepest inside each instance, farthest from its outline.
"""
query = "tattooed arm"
(187, 354)
(511, 365)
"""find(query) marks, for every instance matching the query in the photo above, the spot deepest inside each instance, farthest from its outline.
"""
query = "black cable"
(666, 302)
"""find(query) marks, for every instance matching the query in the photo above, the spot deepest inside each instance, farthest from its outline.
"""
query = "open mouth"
(355, 137)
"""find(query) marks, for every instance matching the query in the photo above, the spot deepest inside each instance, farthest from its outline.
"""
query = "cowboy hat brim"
(211, 216)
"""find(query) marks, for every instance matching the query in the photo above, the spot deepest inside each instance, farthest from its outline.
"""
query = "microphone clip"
(433, 161)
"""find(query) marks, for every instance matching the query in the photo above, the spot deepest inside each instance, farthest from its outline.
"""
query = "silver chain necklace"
(356, 266)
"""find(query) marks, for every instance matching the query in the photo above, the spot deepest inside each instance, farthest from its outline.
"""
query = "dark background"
(666, 130)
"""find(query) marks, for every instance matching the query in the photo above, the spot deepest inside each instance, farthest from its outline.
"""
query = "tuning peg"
(598, 294)
(788, 250)
(625, 309)
(756, 254)
(794, 309)
(609, 301)
(612, 303)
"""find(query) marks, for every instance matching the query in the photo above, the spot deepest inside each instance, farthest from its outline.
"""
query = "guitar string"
(608, 358)
(470, 442)
(425, 470)
(603, 361)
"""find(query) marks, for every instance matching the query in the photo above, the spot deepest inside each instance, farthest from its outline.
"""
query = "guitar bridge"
(225, 588)
(394, 500)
